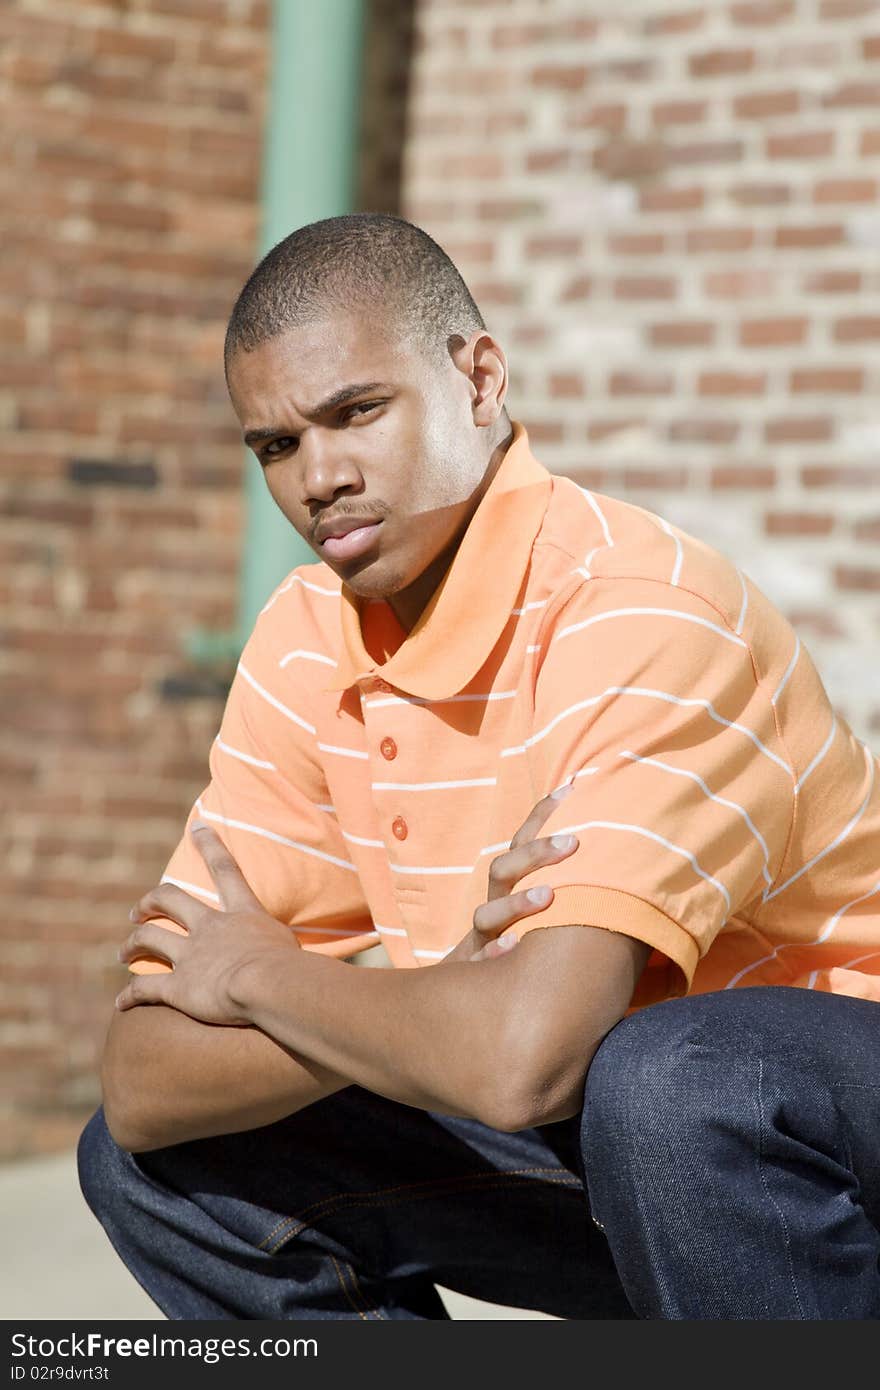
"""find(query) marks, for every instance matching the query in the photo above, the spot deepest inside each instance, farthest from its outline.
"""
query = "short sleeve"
(268, 800)
(683, 795)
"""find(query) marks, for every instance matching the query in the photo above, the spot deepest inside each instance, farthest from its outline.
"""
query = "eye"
(362, 408)
(278, 446)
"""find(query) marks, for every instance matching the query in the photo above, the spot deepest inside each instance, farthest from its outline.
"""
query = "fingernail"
(198, 825)
(505, 943)
(562, 841)
(539, 895)
(132, 916)
(563, 791)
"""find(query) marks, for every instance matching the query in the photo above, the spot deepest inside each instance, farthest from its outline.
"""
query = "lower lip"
(355, 543)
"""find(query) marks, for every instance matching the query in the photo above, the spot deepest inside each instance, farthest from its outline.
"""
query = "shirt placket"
(394, 761)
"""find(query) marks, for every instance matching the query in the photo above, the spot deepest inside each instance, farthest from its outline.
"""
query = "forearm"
(167, 1079)
(432, 1038)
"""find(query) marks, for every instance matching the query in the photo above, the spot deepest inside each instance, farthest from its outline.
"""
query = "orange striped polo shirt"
(364, 777)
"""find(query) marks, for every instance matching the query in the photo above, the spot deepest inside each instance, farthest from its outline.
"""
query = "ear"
(482, 361)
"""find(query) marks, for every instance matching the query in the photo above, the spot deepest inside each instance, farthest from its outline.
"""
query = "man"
(683, 1043)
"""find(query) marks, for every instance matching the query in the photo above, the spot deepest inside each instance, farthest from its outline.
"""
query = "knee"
(667, 1071)
(98, 1160)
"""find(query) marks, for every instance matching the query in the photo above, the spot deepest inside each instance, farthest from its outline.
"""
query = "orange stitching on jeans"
(373, 1201)
(370, 1307)
(430, 1185)
(344, 1287)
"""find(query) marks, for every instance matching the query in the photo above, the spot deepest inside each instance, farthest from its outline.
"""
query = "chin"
(370, 585)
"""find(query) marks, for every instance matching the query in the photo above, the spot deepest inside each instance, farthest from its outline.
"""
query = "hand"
(216, 946)
(503, 907)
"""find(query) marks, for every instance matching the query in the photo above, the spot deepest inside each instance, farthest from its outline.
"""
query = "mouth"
(352, 544)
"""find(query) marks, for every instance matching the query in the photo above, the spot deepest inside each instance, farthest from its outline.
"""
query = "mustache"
(378, 511)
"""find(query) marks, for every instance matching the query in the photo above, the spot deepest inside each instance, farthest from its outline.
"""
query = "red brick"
(857, 579)
(799, 430)
(631, 159)
(679, 112)
(561, 245)
(636, 243)
(704, 430)
(833, 282)
(854, 94)
(712, 152)
(846, 380)
(738, 476)
(643, 383)
(738, 284)
(845, 191)
(809, 236)
(599, 430)
(846, 9)
(757, 195)
(868, 529)
(762, 12)
(720, 383)
(645, 287)
(803, 144)
(857, 328)
(669, 199)
(579, 287)
(566, 385)
(608, 115)
(846, 475)
(798, 524)
(682, 333)
(725, 239)
(659, 479)
(559, 76)
(680, 21)
(758, 105)
(869, 144)
(548, 161)
(776, 332)
(871, 48)
(721, 62)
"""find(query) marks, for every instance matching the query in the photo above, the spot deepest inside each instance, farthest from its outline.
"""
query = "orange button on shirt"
(364, 778)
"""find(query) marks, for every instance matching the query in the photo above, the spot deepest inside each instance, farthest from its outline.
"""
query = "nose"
(327, 465)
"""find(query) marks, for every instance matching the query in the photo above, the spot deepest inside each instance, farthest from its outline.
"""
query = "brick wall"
(129, 223)
(669, 217)
(670, 214)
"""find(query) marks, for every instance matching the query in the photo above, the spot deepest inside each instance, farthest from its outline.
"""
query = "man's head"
(370, 390)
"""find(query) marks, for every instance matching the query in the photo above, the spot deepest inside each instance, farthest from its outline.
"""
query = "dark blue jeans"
(726, 1165)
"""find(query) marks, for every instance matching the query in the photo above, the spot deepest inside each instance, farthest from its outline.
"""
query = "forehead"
(306, 364)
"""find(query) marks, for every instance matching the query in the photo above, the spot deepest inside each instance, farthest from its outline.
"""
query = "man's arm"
(167, 1078)
(506, 1040)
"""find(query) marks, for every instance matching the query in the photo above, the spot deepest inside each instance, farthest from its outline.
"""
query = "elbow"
(125, 1114)
(540, 1090)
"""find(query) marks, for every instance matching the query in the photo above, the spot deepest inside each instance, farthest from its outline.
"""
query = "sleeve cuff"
(670, 968)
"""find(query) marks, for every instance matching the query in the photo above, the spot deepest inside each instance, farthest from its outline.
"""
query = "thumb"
(501, 946)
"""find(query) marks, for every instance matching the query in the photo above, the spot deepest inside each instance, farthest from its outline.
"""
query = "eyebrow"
(332, 402)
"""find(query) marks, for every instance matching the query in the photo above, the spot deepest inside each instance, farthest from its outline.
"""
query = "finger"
(151, 939)
(493, 949)
(540, 813)
(490, 918)
(167, 900)
(233, 887)
(144, 989)
(508, 868)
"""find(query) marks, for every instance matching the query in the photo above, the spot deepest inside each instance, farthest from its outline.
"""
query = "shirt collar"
(468, 612)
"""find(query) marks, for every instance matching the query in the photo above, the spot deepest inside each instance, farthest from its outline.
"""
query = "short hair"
(357, 261)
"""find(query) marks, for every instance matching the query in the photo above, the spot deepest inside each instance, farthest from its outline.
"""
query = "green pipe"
(310, 155)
